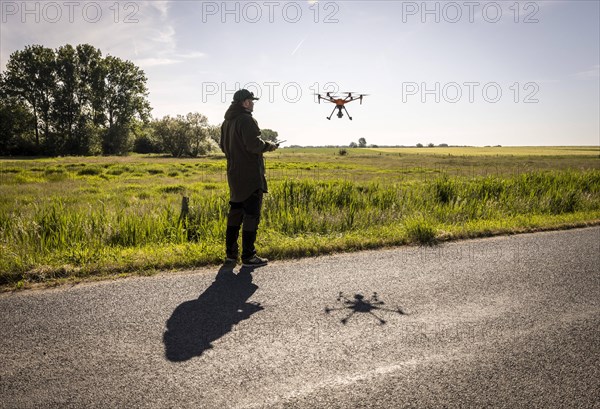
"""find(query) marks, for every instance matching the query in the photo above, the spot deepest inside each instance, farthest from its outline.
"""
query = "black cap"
(243, 95)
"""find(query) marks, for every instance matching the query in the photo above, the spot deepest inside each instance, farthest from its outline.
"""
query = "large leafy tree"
(66, 107)
(90, 96)
(90, 74)
(30, 78)
(78, 97)
(16, 125)
(125, 97)
(78, 100)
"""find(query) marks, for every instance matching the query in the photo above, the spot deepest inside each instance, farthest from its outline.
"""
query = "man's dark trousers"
(246, 213)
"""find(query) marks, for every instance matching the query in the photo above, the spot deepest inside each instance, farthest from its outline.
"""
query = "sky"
(472, 73)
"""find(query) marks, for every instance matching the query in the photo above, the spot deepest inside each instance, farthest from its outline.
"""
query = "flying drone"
(340, 102)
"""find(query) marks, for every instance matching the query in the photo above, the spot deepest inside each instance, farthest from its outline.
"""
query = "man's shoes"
(255, 262)
(230, 261)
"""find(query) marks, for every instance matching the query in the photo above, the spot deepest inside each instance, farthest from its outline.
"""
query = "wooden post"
(185, 208)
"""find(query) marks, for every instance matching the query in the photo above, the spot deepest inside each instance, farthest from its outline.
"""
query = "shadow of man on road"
(195, 324)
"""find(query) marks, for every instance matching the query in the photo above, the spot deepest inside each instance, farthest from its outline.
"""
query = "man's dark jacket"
(243, 149)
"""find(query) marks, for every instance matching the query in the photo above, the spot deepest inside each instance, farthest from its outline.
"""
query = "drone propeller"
(352, 96)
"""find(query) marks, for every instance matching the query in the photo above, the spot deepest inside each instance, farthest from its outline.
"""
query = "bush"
(91, 171)
(117, 140)
(188, 135)
(147, 144)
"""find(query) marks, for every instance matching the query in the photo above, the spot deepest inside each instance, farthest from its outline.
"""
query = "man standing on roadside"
(243, 148)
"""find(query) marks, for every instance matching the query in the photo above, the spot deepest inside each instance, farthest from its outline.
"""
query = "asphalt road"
(500, 322)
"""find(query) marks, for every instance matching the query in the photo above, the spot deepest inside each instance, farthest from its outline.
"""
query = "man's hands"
(271, 146)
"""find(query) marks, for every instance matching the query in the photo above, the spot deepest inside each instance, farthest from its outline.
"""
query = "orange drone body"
(340, 102)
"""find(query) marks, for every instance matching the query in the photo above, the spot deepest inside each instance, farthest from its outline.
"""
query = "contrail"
(298, 46)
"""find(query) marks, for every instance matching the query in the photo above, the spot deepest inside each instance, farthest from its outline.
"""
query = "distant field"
(501, 151)
(75, 218)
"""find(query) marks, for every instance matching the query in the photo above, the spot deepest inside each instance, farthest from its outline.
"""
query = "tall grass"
(139, 226)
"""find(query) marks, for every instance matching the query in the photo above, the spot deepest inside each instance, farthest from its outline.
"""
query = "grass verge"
(102, 229)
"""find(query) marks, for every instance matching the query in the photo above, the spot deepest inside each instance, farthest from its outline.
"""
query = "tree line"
(71, 100)
(74, 101)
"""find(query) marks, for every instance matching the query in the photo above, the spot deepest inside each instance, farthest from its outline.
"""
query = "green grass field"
(71, 219)
(502, 151)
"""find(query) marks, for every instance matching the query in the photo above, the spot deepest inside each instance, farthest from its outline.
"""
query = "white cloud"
(191, 55)
(152, 62)
(167, 60)
(161, 6)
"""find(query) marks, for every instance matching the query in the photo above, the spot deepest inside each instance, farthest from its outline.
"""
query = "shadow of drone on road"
(362, 305)
(195, 324)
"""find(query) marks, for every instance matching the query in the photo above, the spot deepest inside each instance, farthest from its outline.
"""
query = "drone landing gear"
(340, 114)
(329, 117)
